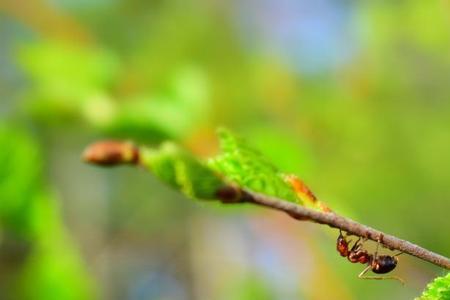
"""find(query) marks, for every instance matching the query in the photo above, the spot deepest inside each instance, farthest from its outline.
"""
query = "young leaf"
(179, 169)
(438, 289)
(245, 166)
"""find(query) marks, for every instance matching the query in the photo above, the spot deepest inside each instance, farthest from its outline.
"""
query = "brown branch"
(345, 224)
(111, 153)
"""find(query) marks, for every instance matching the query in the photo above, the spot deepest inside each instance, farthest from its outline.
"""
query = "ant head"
(342, 245)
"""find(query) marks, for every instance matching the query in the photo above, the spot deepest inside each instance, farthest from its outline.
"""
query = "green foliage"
(249, 288)
(247, 167)
(237, 163)
(54, 269)
(179, 169)
(74, 83)
(376, 121)
(438, 289)
(66, 78)
(19, 179)
(30, 216)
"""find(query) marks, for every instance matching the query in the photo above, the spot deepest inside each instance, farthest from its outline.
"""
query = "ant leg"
(356, 245)
(344, 237)
(346, 234)
(361, 276)
(380, 238)
(364, 272)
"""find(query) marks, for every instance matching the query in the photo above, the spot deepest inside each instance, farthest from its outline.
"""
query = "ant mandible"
(379, 264)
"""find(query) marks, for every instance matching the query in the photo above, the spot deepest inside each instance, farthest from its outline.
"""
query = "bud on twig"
(111, 153)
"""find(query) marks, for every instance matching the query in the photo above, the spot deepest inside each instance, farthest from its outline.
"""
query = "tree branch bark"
(345, 224)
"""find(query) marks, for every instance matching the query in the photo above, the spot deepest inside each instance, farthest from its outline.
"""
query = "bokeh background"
(352, 96)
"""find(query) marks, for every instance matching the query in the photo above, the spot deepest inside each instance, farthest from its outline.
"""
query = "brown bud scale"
(111, 153)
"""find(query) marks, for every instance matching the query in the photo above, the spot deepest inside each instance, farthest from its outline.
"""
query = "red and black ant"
(379, 264)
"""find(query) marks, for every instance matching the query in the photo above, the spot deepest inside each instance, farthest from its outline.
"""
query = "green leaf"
(247, 167)
(237, 164)
(438, 289)
(178, 168)
(20, 180)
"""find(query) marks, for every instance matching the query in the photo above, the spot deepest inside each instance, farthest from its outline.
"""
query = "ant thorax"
(360, 256)
(356, 254)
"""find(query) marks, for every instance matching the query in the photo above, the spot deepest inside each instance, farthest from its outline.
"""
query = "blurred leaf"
(173, 111)
(250, 288)
(19, 180)
(54, 270)
(31, 222)
(66, 76)
(72, 84)
(247, 167)
(438, 289)
(64, 67)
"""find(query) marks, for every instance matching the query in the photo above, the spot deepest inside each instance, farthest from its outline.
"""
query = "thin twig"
(111, 153)
(345, 224)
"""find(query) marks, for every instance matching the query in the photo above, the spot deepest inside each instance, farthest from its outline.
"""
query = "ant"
(356, 254)
(379, 264)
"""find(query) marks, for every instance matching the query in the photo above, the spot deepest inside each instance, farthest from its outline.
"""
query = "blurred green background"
(352, 96)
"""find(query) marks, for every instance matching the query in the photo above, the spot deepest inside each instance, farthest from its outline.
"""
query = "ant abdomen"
(384, 264)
